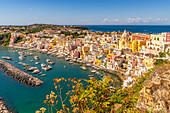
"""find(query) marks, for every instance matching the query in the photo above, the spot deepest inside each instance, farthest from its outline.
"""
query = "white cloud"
(105, 20)
(115, 20)
(136, 20)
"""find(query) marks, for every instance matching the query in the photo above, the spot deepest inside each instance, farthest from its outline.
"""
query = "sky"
(85, 12)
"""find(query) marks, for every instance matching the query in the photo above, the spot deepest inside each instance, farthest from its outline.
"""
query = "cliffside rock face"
(156, 92)
(19, 75)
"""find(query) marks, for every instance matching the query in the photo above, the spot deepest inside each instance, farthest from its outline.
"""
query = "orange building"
(140, 36)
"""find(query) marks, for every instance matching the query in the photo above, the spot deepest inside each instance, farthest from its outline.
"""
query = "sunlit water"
(26, 99)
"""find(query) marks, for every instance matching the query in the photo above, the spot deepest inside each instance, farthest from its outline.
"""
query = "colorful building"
(137, 45)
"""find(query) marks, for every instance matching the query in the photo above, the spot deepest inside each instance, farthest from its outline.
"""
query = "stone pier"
(19, 75)
(3, 108)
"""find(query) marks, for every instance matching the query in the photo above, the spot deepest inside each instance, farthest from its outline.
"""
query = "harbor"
(19, 75)
(33, 97)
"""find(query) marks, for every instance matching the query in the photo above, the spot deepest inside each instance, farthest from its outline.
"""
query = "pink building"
(167, 37)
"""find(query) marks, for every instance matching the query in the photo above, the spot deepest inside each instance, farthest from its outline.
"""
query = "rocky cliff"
(156, 92)
(19, 75)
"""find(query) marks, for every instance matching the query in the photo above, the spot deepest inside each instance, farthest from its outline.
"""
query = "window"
(158, 39)
(155, 38)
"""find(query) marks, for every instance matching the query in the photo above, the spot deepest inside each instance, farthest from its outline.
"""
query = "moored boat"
(37, 62)
(91, 75)
(45, 67)
(36, 71)
(93, 71)
(84, 68)
(21, 57)
(43, 75)
(36, 58)
(6, 57)
(32, 68)
(49, 61)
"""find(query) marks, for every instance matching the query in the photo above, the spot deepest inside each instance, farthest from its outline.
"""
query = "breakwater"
(3, 107)
(19, 75)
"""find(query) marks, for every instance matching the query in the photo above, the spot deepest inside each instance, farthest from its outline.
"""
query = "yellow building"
(28, 42)
(124, 42)
(137, 45)
(98, 62)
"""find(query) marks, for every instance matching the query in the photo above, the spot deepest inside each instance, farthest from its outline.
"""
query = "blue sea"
(26, 99)
(131, 28)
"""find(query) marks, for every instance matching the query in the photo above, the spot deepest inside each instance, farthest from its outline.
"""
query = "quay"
(19, 75)
(3, 107)
(119, 73)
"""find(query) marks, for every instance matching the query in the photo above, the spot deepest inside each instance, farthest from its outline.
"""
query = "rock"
(19, 75)
(3, 108)
(156, 92)
(148, 90)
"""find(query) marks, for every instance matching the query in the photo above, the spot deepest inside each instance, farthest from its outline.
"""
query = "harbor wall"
(3, 107)
(19, 75)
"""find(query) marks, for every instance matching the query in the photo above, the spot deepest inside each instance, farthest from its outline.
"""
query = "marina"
(62, 68)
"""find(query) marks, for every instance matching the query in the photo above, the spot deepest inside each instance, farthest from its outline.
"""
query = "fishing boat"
(22, 53)
(67, 59)
(45, 67)
(88, 65)
(74, 60)
(40, 73)
(93, 71)
(50, 67)
(49, 61)
(98, 73)
(21, 57)
(71, 62)
(91, 75)
(6, 57)
(37, 63)
(36, 71)
(29, 54)
(19, 62)
(43, 75)
(32, 68)
(36, 58)
(84, 68)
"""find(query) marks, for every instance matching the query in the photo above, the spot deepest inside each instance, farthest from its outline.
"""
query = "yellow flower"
(38, 112)
(51, 96)
(47, 97)
(55, 87)
(43, 109)
(55, 96)
(52, 93)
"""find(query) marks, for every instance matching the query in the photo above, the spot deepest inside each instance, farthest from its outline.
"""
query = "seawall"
(3, 107)
(19, 75)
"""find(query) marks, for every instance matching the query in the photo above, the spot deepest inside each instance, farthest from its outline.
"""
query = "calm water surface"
(26, 99)
(131, 28)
